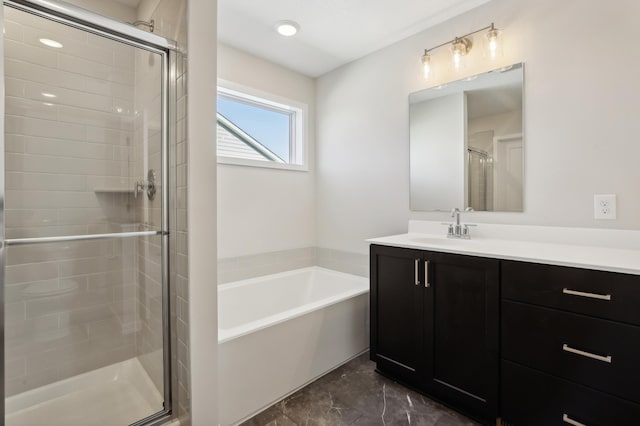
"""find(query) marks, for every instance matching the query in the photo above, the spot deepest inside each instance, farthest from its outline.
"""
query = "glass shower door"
(84, 223)
(477, 170)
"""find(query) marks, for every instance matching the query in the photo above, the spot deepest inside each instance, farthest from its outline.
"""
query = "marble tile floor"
(354, 394)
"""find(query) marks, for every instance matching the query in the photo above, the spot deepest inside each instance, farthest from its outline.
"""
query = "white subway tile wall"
(180, 268)
(82, 124)
(244, 267)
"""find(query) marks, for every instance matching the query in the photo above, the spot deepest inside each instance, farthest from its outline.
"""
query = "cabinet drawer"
(533, 398)
(598, 353)
(602, 294)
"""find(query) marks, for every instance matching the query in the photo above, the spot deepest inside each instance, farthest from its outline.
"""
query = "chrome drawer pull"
(417, 266)
(568, 348)
(426, 274)
(569, 420)
(583, 294)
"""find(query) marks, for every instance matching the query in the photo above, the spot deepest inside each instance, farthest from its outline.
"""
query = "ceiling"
(332, 32)
(492, 101)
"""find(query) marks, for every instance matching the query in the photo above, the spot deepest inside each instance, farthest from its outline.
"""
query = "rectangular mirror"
(466, 143)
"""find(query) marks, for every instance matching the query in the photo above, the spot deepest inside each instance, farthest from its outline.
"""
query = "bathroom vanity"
(435, 324)
(527, 332)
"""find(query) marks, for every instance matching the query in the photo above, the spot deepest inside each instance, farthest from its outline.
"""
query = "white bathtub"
(279, 332)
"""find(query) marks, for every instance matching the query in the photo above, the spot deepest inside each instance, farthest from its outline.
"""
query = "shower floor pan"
(117, 395)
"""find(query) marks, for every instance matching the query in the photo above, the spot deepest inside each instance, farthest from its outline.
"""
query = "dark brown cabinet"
(435, 325)
(397, 328)
(533, 398)
(570, 346)
(601, 294)
(531, 344)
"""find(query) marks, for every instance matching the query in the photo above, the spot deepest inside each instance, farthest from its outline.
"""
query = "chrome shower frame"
(100, 25)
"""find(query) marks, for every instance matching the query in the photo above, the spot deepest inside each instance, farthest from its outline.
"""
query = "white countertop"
(625, 260)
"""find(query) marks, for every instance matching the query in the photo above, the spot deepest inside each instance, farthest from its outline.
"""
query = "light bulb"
(493, 45)
(457, 58)
(492, 42)
(426, 66)
(459, 48)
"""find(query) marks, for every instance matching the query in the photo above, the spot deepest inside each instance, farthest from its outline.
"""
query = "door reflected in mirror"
(466, 143)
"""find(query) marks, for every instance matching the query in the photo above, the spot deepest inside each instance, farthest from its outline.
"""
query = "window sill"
(262, 164)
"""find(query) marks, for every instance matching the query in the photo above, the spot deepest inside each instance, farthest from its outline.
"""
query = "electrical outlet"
(604, 206)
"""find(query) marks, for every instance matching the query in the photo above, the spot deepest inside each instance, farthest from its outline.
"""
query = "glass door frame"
(100, 25)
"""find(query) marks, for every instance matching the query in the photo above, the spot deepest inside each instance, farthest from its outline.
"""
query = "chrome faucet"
(456, 229)
(149, 185)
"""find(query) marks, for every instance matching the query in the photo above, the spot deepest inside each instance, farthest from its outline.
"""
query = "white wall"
(201, 212)
(112, 9)
(265, 210)
(506, 123)
(438, 125)
(581, 102)
(145, 9)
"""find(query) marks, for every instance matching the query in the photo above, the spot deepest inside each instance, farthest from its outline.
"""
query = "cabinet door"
(461, 317)
(396, 312)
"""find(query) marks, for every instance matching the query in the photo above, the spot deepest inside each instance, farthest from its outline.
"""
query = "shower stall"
(479, 169)
(86, 191)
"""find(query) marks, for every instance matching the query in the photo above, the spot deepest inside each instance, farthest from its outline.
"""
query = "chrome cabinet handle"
(569, 420)
(584, 294)
(426, 274)
(417, 272)
(568, 348)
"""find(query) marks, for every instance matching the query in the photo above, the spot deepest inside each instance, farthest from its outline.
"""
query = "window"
(256, 131)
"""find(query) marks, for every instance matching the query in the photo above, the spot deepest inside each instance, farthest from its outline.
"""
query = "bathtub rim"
(229, 334)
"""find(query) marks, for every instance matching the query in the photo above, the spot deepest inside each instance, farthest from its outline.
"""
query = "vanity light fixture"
(461, 46)
(459, 49)
(287, 28)
(492, 41)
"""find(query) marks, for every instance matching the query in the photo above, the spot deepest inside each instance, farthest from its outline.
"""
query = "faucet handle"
(136, 188)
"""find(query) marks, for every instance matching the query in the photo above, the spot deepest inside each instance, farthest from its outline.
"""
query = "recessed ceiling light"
(51, 43)
(287, 28)
(48, 95)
